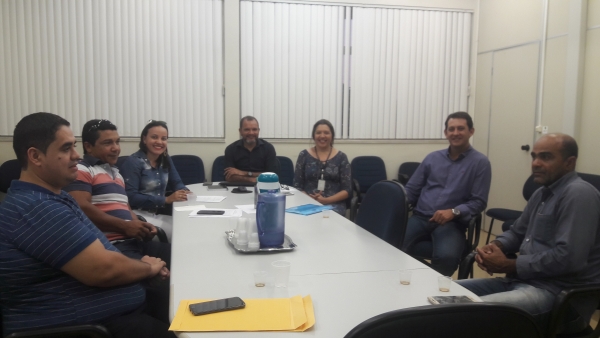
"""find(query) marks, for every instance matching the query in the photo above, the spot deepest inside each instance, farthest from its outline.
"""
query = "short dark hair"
(37, 130)
(459, 115)
(249, 119)
(328, 124)
(90, 132)
(569, 147)
(162, 159)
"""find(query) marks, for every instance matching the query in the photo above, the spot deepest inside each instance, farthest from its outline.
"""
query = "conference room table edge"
(350, 274)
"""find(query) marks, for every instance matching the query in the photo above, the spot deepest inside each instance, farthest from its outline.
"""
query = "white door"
(512, 124)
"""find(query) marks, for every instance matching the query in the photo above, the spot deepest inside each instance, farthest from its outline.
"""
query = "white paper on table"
(189, 207)
(228, 212)
(210, 199)
(247, 208)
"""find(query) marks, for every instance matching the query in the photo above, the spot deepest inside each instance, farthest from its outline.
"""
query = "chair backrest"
(120, 161)
(384, 212)
(218, 169)
(406, 170)
(529, 188)
(190, 168)
(286, 170)
(591, 179)
(9, 170)
(368, 170)
(490, 320)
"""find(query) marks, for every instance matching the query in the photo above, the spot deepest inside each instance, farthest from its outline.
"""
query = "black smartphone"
(218, 305)
(206, 183)
(210, 212)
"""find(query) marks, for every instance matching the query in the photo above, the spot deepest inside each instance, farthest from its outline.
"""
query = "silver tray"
(288, 244)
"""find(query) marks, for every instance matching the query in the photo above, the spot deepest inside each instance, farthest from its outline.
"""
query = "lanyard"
(323, 166)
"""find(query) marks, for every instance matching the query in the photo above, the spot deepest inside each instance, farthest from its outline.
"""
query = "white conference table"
(350, 274)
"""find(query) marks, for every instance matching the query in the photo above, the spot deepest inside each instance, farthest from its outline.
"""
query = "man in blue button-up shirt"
(557, 239)
(447, 190)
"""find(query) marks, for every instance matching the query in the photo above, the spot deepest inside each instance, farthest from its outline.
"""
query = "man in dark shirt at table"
(447, 190)
(249, 156)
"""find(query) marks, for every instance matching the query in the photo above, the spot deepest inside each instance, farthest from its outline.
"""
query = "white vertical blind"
(124, 60)
(410, 69)
(291, 64)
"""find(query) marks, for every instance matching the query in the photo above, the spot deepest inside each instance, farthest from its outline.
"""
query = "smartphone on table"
(210, 212)
(450, 299)
(218, 305)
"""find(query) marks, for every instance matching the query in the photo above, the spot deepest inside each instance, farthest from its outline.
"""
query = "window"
(127, 61)
(375, 73)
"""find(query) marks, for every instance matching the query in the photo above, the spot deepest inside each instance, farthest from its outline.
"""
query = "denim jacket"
(146, 186)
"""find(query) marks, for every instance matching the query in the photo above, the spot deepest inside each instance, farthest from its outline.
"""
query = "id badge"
(321, 185)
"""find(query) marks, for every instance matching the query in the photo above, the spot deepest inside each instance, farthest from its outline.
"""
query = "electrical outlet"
(545, 130)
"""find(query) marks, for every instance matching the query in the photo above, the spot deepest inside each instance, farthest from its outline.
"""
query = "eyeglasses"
(97, 125)
(156, 121)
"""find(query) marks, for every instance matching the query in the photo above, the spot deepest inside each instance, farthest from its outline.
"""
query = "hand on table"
(230, 172)
(177, 196)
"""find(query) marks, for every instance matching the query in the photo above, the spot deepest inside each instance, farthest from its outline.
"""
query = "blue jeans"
(535, 301)
(445, 243)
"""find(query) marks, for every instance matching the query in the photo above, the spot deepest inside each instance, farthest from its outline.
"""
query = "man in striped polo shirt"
(57, 267)
(100, 192)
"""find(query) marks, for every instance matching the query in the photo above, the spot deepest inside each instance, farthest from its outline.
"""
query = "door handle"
(525, 147)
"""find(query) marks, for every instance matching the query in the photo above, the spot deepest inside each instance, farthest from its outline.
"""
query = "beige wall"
(498, 24)
(393, 153)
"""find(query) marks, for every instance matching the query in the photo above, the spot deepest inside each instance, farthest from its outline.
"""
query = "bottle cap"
(268, 178)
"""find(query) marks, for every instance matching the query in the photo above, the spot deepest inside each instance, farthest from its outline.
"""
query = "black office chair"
(9, 170)
(190, 168)
(73, 331)
(366, 171)
(465, 268)
(506, 215)
(121, 160)
(406, 170)
(561, 309)
(384, 212)
(590, 178)
(471, 320)
(286, 170)
(218, 170)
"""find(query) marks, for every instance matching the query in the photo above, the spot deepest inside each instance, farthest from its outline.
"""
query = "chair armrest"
(356, 188)
(353, 208)
(160, 233)
(561, 305)
(89, 331)
(474, 231)
(403, 179)
(466, 265)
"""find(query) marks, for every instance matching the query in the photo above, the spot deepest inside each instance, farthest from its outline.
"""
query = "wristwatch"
(249, 174)
(456, 212)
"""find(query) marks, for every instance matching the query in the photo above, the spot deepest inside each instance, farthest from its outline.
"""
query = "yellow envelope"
(278, 314)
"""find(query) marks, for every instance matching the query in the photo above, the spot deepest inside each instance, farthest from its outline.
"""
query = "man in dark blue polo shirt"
(249, 156)
(448, 188)
(57, 267)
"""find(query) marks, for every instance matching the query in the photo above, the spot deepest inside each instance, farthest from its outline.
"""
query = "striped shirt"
(105, 184)
(39, 233)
